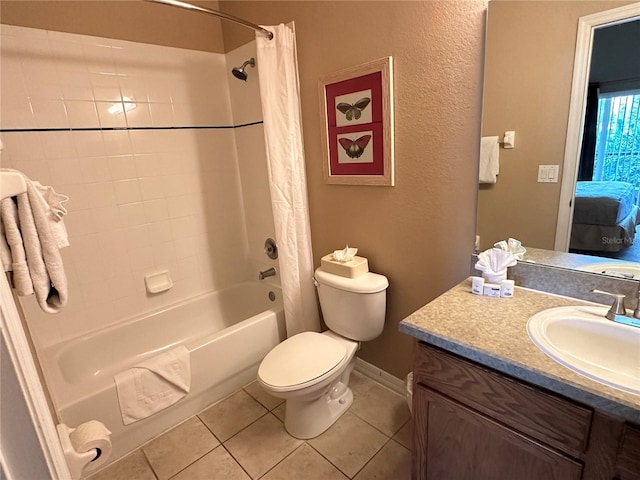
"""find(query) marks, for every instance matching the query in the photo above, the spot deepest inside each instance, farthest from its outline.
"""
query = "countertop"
(492, 332)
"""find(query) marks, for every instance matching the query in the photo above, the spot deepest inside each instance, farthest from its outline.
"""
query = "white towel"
(33, 232)
(489, 159)
(154, 384)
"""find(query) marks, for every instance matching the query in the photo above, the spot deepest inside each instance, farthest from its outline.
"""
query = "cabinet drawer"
(543, 416)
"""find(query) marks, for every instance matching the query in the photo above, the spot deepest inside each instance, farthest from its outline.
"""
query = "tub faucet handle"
(618, 304)
(270, 272)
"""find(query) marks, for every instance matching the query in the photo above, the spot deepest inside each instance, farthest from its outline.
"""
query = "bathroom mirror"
(530, 53)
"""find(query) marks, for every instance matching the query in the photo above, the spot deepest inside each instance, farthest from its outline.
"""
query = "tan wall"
(136, 21)
(420, 232)
(528, 75)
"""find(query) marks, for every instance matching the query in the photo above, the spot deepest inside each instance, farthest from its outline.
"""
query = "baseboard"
(368, 370)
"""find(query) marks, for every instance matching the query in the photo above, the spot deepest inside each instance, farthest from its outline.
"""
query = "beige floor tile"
(134, 465)
(179, 447)
(215, 465)
(228, 417)
(305, 463)
(349, 443)
(262, 445)
(392, 462)
(405, 435)
(268, 401)
(280, 411)
(360, 384)
(379, 406)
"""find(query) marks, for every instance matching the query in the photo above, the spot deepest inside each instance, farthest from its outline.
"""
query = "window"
(617, 155)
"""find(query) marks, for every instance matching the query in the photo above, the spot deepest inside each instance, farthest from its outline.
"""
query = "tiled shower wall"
(143, 197)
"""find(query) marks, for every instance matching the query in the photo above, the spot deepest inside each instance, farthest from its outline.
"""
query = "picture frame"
(356, 109)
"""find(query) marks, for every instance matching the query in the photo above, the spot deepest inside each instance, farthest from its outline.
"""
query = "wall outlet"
(548, 173)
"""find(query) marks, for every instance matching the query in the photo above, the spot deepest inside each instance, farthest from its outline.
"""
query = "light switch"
(509, 140)
(548, 173)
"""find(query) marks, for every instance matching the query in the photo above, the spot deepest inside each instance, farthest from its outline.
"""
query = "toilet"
(311, 370)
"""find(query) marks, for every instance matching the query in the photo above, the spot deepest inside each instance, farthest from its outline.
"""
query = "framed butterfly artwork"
(356, 106)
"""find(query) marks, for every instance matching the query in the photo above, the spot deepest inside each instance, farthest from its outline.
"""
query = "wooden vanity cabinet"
(472, 423)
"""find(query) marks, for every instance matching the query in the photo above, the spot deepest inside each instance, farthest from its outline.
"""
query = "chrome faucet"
(636, 312)
(618, 304)
(270, 272)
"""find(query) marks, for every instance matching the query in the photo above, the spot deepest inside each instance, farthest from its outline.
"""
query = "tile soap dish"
(158, 282)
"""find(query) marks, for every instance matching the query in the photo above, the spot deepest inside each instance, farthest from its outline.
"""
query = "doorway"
(597, 80)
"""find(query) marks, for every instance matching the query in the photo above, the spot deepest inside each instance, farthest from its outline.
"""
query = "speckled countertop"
(493, 332)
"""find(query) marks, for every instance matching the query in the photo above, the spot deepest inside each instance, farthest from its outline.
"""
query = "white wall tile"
(94, 169)
(140, 199)
(162, 114)
(156, 210)
(116, 142)
(132, 215)
(152, 188)
(66, 171)
(127, 191)
(122, 167)
(49, 113)
(111, 114)
(82, 114)
(88, 143)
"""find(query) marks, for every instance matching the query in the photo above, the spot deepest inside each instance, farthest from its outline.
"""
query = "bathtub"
(227, 332)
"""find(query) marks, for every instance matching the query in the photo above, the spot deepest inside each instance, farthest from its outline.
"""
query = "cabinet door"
(628, 464)
(453, 442)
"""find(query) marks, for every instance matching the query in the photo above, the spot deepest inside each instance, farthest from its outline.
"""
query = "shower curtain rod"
(225, 16)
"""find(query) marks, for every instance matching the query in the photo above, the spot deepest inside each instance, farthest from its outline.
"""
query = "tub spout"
(267, 273)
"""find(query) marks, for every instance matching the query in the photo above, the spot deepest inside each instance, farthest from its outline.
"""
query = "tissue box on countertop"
(351, 269)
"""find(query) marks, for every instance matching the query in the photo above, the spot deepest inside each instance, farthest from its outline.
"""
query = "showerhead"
(239, 72)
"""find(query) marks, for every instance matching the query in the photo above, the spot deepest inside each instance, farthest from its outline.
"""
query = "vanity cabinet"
(471, 422)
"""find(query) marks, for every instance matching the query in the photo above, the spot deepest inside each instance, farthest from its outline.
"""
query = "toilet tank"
(353, 307)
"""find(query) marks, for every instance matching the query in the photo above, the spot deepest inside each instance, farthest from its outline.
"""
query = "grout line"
(372, 457)
(282, 460)
(111, 129)
(236, 460)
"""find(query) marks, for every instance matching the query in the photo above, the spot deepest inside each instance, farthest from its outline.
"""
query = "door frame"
(581, 67)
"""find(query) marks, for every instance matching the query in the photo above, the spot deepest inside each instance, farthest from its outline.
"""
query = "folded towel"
(489, 159)
(33, 231)
(154, 384)
(16, 260)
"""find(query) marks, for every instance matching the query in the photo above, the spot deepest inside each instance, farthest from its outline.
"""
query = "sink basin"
(581, 339)
(618, 269)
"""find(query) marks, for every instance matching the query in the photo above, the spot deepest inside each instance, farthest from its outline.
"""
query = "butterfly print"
(353, 111)
(355, 148)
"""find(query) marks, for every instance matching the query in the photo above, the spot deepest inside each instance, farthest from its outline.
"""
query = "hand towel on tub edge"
(154, 384)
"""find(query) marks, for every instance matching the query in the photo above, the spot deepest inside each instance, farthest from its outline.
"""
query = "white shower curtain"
(280, 93)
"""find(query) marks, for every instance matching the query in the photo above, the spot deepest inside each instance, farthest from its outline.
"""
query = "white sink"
(618, 269)
(581, 339)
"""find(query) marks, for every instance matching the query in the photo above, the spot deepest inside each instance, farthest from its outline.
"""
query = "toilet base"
(308, 419)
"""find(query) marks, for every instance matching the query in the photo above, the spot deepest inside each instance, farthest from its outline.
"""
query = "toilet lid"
(300, 359)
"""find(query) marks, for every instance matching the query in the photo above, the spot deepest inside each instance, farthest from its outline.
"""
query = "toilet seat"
(302, 360)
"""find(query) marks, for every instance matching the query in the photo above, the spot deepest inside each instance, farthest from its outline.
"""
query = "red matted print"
(358, 141)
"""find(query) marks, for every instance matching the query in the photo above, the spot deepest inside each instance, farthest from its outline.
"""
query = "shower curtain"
(280, 92)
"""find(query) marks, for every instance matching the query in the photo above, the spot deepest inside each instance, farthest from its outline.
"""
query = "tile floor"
(243, 437)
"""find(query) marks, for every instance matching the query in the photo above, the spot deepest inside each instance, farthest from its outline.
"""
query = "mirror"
(530, 52)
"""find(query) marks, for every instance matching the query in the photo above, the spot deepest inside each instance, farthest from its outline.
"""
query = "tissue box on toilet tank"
(351, 269)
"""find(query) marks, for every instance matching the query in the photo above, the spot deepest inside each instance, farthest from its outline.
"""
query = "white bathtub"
(227, 332)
